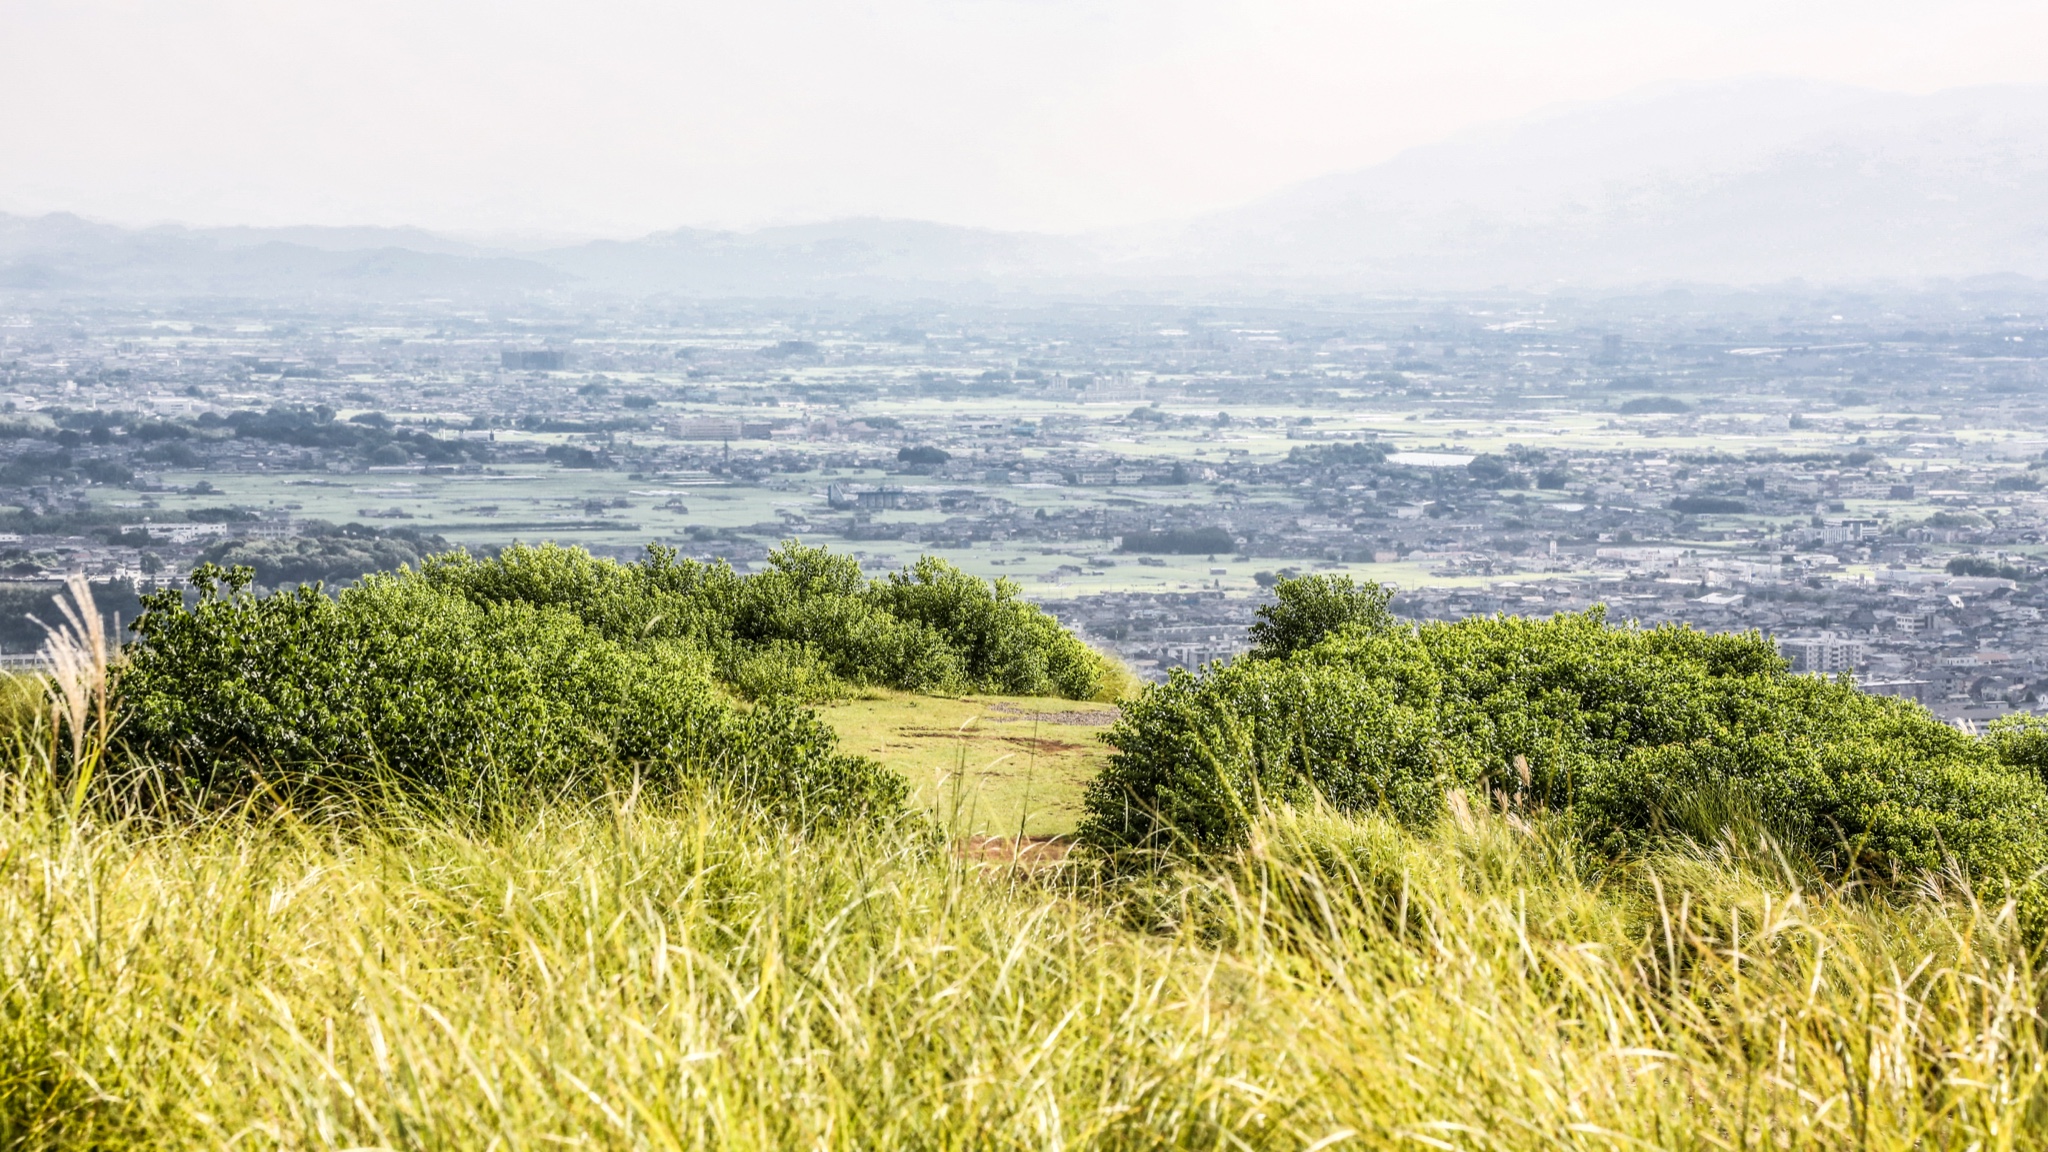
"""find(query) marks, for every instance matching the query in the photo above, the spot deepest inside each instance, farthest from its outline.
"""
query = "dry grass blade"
(688, 976)
(80, 657)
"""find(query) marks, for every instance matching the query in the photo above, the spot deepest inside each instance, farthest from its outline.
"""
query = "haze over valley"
(1740, 183)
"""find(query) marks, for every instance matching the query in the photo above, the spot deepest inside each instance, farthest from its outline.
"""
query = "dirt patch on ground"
(1079, 717)
(1042, 744)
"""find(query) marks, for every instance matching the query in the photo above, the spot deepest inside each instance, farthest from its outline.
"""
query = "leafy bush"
(1353, 454)
(324, 552)
(785, 671)
(1003, 643)
(400, 682)
(1621, 731)
(2021, 742)
(930, 627)
(1492, 471)
(1312, 607)
(1648, 405)
(23, 604)
(1985, 566)
(545, 666)
(1947, 518)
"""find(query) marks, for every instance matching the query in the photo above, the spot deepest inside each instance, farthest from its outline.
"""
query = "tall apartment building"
(1826, 653)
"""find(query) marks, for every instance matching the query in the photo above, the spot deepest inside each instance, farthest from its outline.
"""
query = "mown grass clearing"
(983, 765)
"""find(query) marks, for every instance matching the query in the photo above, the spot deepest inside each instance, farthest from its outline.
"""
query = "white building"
(1826, 653)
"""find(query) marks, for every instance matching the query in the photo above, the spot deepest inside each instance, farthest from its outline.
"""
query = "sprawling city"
(1859, 477)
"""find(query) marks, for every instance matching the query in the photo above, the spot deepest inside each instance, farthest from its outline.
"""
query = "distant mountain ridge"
(64, 253)
(61, 252)
(1746, 182)
(843, 255)
(1758, 181)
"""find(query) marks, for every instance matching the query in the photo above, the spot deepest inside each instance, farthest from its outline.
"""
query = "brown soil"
(1087, 718)
(1043, 745)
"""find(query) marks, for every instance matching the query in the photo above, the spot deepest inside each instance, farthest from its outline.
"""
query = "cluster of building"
(1860, 478)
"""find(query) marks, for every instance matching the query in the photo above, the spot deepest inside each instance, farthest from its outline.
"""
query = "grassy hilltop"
(546, 850)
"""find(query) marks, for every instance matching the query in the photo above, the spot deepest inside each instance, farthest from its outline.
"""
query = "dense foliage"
(1308, 608)
(544, 667)
(1643, 405)
(1985, 566)
(366, 434)
(402, 682)
(26, 606)
(1628, 734)
(1353, 454)
(808, 625)
(326, 552)
(1180, 541)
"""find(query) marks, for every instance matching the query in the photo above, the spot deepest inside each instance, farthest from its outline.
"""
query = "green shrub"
(1985, 566)
(1004, 644)
(1312, 607)
(2021, 742)
(809, 615)
(398, 682)
(1647, 405)
(324, 552)
(1623, 732)
(785, 671)
(545, 667)
(808, 596)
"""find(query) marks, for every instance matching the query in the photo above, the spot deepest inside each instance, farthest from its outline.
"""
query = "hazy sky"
(618, 117)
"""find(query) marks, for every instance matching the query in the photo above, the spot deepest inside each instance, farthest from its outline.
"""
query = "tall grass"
(687, 976)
